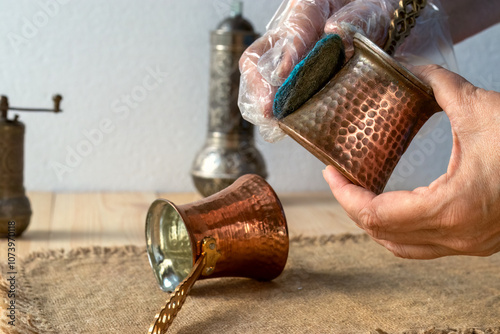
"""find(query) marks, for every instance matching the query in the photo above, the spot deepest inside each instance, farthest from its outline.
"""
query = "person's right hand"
(294, 30)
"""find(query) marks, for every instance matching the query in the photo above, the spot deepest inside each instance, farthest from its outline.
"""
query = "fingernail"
(324, 173)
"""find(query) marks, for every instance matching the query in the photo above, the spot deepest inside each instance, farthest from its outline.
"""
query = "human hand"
(295, 29)
(457, 214)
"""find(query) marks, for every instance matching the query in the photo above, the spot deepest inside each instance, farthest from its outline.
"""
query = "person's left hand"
(457, 214)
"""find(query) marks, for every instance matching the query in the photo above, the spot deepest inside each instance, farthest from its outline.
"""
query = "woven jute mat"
(339, 284)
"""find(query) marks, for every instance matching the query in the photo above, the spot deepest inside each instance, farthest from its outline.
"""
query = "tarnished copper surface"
(248, 223)
(246, 220)
(363, 120)
(240, 231)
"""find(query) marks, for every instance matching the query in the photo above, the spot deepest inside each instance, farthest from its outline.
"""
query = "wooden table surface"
(70, 220)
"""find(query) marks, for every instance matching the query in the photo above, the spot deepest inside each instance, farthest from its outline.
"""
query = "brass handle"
(205, 265)
(164, 319)
(405, 18)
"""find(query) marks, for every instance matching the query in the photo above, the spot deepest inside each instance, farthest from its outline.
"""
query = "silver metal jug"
(229, 151)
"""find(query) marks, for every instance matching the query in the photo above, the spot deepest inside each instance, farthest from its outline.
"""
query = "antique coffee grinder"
(229, 150)
(15, 209)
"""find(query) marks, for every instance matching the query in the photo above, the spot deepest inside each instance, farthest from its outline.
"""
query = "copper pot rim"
(158, 206)
(363, 43)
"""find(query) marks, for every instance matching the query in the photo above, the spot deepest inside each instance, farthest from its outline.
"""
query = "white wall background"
(96, 53)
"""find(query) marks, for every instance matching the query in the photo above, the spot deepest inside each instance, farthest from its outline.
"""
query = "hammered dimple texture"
(249, 226)
(363, 120)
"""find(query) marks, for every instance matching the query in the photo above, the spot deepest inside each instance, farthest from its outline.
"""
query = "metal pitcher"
(229, 150)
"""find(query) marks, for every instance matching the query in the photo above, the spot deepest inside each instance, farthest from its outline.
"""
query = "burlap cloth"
(341, 284)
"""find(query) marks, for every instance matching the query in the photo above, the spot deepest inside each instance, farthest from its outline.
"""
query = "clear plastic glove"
(299, 24)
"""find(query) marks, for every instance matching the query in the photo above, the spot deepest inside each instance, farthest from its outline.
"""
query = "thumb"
(453, 93)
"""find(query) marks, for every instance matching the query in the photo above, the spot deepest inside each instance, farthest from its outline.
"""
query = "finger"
(351, 197)
(414, 249)
(417, 252)
(406, 211)
(371, 18)
(301, 27)
(443, 240)
(396, 212)
(451, 91)
(268, 61)
(417, 237)
(291, 35)
(460, 100)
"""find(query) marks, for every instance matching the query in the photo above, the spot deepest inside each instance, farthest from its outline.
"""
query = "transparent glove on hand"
(299, 24)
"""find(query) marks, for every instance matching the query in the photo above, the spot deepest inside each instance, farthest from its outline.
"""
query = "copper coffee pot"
(364, 118)
(240, 231)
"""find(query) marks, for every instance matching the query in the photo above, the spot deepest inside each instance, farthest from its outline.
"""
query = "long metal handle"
(164, 319)
(205, 265)
(405, 18)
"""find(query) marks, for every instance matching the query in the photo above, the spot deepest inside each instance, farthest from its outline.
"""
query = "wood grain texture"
(70, 220)
(104, 219)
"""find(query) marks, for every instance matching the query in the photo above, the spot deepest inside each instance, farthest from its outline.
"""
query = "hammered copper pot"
(246, 221)
(364, 118)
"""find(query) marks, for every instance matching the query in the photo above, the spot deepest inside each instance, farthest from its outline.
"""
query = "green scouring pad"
(310, 75)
